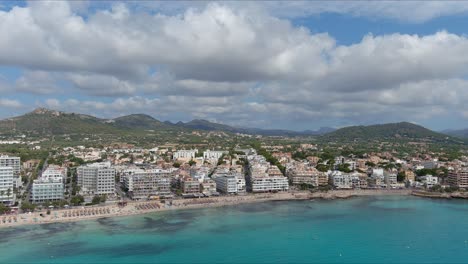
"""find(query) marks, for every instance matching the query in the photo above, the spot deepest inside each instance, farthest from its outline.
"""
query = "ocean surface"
(391, 229)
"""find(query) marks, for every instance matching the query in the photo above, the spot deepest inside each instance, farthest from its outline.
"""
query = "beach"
(142, 207)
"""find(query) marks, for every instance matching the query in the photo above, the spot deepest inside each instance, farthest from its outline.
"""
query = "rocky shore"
(136, 208)
(454, 195)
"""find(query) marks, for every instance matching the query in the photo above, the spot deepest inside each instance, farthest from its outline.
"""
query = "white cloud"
(9, 103)
(37, 82)
(231, 62)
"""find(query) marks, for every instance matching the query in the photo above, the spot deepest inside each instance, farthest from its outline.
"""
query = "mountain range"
(45, 121)
(51, 122)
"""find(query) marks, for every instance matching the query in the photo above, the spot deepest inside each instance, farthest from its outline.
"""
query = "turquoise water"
(368, 229)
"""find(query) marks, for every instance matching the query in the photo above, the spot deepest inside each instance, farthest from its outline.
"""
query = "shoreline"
(144, 207)
(435, 195)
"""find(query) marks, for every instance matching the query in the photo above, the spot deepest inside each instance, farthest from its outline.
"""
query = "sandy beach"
(142, 207)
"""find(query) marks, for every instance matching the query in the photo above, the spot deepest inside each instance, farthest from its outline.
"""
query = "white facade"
(50, 186)
(429, 180)
(15, 164)
(143, 184)
(263, 177)
(226, 184)
(213, 154)
(185, 154)
(6, 184)
(270, 184)
(97, 178)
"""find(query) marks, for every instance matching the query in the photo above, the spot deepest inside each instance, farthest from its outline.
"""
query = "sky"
(292, 65)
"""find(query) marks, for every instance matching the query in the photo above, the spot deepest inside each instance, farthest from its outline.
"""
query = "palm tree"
(2, 192)
(8, 192)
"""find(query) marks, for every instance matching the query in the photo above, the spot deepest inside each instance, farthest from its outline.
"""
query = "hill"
(139, 121)
(50, 122)
(200, 124)
(461, 133)
(391, 131)
(43, 121)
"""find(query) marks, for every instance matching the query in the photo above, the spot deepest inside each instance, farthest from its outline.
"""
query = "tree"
(9, 192)
(96, 199)
(4, 209)
(26, 206)
(77, 200)
(344, 168)
(322, 167)
(176, 165)
(192, 162)
(401, 176)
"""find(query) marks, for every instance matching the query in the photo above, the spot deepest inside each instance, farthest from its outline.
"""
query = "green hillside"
(392, 131)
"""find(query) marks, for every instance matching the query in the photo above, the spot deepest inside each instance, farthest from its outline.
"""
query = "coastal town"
(121, 179)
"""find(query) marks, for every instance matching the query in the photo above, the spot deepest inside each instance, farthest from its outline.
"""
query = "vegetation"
(4, 209)
(77, 200)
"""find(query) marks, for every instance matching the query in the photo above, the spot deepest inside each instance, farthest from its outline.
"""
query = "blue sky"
(295, 65)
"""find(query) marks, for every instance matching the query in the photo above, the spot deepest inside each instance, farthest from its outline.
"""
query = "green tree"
(27, 206)
(4, 209)
(401, 176)
(77, 200)
(192, 162)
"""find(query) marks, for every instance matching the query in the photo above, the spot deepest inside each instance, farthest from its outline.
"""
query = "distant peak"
(42, 111)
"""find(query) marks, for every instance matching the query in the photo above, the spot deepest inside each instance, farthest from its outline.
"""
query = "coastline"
(144, 207)
(455, 195)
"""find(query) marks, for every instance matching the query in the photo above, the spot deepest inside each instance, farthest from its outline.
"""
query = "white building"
(390, 178)
(429, 180)
(226, 183)
(15, 164)
(49, 186)
(263, 177)
(341, 180)
(97, 178)
(143, 184)
(213, 154)
(185, 154)
(6, 184)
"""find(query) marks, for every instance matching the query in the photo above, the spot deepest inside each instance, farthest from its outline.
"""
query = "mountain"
(200, 124)
(391, 131)
(43, 121)
(50, 122)
(139, 121)
(461, 133)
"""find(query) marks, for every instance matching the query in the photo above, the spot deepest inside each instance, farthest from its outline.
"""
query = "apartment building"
(185, 154)
(213, 154)
(50, 185)
(6, 184)
(190, 185)
(97, 178)
(15, 164)
(143, 184)
(208, 187)
(303, 174)
(458, 178)
(263, 177)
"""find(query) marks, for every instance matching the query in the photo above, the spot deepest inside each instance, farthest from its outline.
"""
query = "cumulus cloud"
(9, 103)
(37, 82)
(234, 63)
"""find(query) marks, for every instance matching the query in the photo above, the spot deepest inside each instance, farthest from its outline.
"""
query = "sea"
(376, 229)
